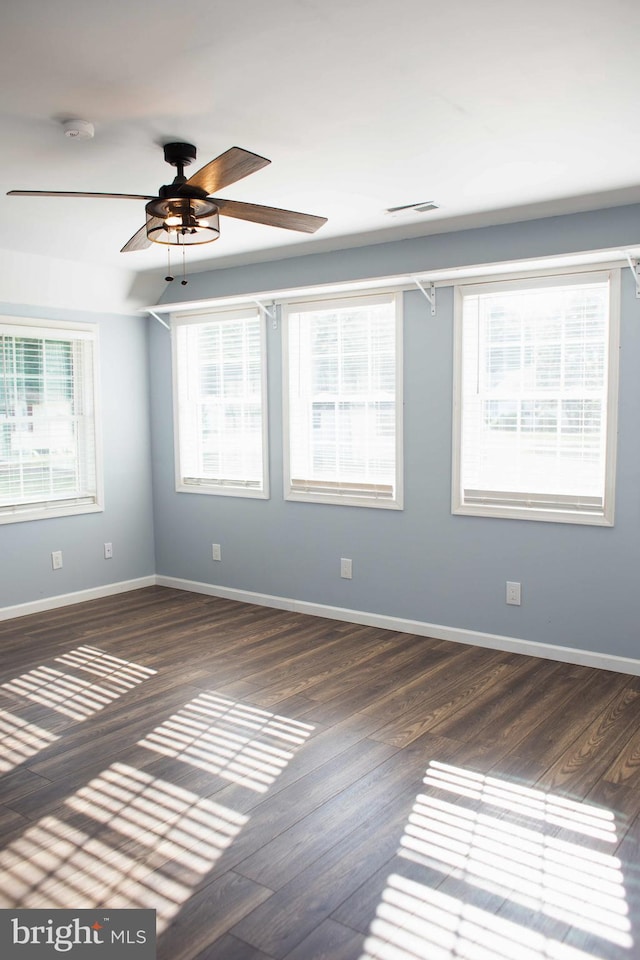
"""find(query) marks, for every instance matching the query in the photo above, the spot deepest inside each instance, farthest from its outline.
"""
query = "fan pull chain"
(169, 277)
(184, 280)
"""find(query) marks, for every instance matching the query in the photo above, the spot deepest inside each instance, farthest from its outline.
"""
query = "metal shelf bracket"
(635, 270)
(159, 319)
(430, 294)
(270, 314)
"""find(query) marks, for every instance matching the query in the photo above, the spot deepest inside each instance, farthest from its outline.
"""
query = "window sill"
(219, 491)
(21, 515)
(545, 516)
(378, 504)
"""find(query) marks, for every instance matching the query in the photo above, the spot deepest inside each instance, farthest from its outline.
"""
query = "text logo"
(99, 934)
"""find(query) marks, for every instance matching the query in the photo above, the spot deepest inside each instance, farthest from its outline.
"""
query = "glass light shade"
(182, 220)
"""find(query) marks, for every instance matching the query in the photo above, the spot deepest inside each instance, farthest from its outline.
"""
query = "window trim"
(41, 328)
(221, 488)
(482, 507)
(315, 493)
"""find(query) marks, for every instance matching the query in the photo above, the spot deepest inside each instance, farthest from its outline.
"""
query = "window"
(48, 438)
(220, 414)
(342, 363)
(536, 398)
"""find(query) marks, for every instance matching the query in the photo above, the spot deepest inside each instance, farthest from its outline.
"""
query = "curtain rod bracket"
(430, 294)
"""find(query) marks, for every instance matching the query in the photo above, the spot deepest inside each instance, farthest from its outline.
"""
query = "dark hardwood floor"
(284, 787)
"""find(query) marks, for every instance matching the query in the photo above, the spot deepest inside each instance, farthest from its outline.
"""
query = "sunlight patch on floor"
(126, 839)
(535, 804)
(547, 855)
(129, 839)
(244, 744)
(69, 693)
(19, 740)
(416, 922)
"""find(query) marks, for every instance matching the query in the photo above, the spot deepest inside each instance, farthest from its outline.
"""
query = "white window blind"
(341, 381)
(536, 399)
(48, 442)
(221, 403)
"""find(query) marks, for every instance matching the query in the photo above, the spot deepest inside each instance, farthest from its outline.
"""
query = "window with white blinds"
(49, 457)
(536, 398)
(220, 411)
(343, 413)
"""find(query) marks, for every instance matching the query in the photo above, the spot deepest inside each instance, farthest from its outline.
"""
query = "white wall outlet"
(346, 568)
(108, 551)
(56, 559)
(216, 552)
(513, 593)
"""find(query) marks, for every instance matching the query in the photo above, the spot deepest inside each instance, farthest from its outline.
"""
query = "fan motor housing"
(181, 189)
(179, 154)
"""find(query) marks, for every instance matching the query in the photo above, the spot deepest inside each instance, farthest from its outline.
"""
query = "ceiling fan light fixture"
(182, 220)
(185, 212)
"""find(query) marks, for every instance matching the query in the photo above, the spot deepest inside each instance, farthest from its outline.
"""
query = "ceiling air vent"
(423, 207)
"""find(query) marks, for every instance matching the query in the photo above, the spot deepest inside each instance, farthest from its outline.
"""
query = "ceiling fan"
(185, 212)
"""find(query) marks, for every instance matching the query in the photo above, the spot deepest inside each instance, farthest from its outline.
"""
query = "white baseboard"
(547, 651)
(492, 641)
(79, 596)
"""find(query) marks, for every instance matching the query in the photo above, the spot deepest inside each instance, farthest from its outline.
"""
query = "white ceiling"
(486, 107)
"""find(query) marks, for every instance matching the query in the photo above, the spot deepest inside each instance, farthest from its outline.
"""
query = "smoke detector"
(78, 129)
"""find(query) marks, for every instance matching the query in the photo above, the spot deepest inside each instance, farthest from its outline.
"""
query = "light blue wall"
(579, 583)
(127, 521)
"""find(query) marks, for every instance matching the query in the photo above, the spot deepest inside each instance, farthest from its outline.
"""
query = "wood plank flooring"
(284, 787)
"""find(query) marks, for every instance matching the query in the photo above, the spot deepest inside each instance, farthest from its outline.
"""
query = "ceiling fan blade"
(140, 240)
(271, 216)
(228, 168)
(66, 193)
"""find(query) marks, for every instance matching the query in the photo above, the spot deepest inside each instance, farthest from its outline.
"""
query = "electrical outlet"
(56, 559)
(216, 552)
(108, 551)
(346, 568)
(513, 593)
